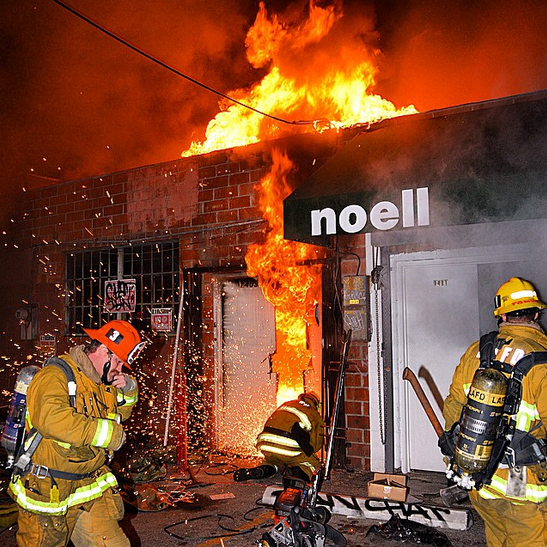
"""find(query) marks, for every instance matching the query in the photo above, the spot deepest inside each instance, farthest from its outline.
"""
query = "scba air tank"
(15, 422)
(480, 420)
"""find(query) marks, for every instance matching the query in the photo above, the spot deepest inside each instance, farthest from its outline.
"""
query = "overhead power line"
(170, 68)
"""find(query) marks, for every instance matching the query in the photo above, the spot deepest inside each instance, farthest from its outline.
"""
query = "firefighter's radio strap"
(23, 463)
(512, 446)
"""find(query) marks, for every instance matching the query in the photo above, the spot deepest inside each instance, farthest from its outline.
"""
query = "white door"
(246, 391)
(442, 301)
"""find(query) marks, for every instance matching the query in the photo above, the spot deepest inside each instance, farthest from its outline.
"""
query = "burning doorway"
(268, 328)
(249, 385)
(244, 383)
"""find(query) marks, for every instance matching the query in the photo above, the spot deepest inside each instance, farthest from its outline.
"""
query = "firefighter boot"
(260, 472)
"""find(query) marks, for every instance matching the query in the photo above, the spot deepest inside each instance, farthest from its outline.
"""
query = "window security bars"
(153, 266)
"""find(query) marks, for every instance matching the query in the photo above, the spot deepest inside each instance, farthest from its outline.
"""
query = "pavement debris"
(204, 507)
(405, 530)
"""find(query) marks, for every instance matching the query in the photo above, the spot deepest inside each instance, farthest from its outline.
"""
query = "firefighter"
(69, 492)
(290, 438)
(513, 505)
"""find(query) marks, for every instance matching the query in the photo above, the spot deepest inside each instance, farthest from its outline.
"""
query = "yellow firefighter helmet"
(516, 294)
(311, 398)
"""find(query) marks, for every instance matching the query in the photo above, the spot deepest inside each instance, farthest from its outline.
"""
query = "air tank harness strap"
(41, 472)
(71, 379)
(514, 388)
(23, 461)
(523, 448)
(488, 344)
(504, 448)
(280, 432)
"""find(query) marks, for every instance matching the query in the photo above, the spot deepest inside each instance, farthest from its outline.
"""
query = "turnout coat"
(521, 339)
(292, 435)
(77, 441)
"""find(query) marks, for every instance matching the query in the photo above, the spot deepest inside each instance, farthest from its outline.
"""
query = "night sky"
(76, 103)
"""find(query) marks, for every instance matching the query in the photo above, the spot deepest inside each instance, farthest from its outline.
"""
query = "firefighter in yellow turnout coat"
(68, 492)
(290, 438)
(513, 506)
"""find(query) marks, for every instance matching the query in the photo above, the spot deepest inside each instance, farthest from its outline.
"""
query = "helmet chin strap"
(106, 370)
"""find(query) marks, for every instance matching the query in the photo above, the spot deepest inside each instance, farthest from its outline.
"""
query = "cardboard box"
(388, 487)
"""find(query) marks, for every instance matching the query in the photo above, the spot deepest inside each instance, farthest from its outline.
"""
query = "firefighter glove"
(302, 437)
(121, 442)
(447, 441)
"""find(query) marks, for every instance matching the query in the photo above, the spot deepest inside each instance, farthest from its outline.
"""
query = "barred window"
(153, 266)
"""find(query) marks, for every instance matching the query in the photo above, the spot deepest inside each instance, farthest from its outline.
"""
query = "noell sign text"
(385, 215)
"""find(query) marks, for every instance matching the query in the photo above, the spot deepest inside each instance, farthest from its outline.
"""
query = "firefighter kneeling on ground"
(514, 504)
(290, 438)
(68, 492)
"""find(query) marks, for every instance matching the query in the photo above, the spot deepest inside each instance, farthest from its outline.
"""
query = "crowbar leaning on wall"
(426, 375)
(409, 375)
(451, 494)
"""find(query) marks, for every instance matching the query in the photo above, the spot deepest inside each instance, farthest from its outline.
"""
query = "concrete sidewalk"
(215, 510)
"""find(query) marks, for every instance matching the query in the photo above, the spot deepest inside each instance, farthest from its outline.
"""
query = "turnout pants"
(512, 525)
(94, 524)
(308, 464)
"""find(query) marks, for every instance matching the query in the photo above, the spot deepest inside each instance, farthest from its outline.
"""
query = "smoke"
(76, 103)
(444, 53)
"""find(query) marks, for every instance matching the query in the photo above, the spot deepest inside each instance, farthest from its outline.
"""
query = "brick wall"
(357, 409)
(209, 204)
(357, 402)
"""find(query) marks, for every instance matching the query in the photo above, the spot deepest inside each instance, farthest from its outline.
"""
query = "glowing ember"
(286, 281)
(316, 73)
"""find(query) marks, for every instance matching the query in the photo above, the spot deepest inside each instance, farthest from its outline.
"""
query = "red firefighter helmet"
(121, 338)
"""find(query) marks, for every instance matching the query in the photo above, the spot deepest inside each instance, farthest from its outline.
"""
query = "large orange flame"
(315, 79)
(286, 278)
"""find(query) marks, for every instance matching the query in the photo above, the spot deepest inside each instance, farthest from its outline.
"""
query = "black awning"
(475, 163)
